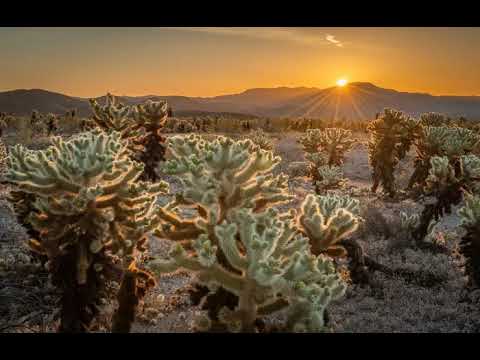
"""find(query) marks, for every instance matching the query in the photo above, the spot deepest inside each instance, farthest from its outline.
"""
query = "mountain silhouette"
(356, 101)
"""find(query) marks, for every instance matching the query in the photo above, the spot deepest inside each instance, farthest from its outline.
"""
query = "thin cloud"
(299, 36)
(331, 38)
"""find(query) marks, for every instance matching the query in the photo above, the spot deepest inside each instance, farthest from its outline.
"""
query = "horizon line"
(237, 93)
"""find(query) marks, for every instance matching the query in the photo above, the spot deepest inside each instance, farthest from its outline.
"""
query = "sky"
(89, 62)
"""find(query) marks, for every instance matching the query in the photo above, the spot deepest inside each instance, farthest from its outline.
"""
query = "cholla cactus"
(332, 142)
(3, 125)
(470, 242)
(299, 124)
(180, 126)
(140, 126)
(151, 116)
(434, 119)
(237, 241)
(88, 208)
(447, 181)
(331, 177)
(269, 265)
(440, 141)
(51, 123)
(3, 160)
(262, 140)
(392, 134)
(326, 220)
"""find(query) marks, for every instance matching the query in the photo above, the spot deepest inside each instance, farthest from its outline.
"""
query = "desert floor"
(27, 301)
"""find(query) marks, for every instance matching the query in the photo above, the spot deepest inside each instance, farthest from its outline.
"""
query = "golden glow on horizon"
(342, 82)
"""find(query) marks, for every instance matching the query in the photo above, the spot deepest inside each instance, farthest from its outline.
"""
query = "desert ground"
(28, 301)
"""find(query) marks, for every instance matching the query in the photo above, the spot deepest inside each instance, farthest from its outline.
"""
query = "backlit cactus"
(269, 265)
(3, 160)
(470, 242)
(326, 220)
(447, 180)
(180, 126)
(330, 177)
(434, 119)
(89, 207)
(262, 140)
(140, 126)
(237, 241)
(451, 142)
(332, 142)
(392, 134)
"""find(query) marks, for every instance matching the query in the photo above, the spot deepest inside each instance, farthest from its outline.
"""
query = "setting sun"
(342, 82)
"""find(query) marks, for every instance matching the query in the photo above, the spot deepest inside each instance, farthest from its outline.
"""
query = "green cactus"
(330, 177)
(452, 142)
(392, 135)
(470, 242)
(3, 160)
(447, 181)
(262, 140)
(51, 124)
(434, 119)
(180, 126)
(88, 210)
(271, 265)
(326, 220)
(332, 142)
(140, 126)
(236, 237)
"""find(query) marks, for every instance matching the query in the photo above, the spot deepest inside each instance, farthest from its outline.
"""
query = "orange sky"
(213, 61)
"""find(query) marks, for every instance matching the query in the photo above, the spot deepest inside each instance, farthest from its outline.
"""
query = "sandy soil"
(399, 306)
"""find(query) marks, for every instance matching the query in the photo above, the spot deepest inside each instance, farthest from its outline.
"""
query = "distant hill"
(360, 100)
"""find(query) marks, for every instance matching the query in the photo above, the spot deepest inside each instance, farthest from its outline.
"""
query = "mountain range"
(355, 101)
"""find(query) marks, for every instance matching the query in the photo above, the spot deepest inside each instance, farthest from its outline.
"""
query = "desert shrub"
(451, 142)
(392, 134)
(90, 211)
(238, 242)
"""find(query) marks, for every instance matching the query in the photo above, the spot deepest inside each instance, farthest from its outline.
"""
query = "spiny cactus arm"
(226, 236)
(326, 220)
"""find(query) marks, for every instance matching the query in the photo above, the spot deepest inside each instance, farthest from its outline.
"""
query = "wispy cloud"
(331, 38)
(299, 36)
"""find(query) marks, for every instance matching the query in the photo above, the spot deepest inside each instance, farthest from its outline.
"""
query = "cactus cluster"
(3, 160)
(180, 126)
(392, 135)
(470, 242)
(299, 124)
(325, 151)
(451, 142)
(326, 220)
(334, 143)
(237, 241)
(90, 210)
(140, 126)
(434, 119)
(260, 138)
(447, 180)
